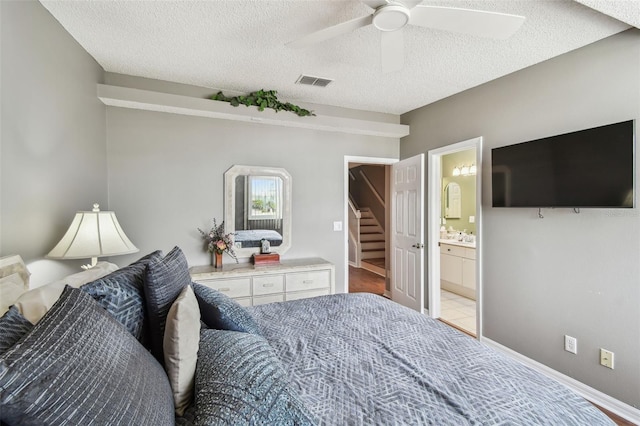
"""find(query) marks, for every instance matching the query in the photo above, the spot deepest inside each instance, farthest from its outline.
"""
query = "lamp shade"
(93, 234)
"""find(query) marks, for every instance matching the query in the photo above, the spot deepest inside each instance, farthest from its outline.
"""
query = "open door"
(407, 233)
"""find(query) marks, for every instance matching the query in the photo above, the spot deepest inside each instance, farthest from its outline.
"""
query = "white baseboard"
(605, 401)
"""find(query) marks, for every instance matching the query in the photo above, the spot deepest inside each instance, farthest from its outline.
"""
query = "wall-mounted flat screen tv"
(587, 168)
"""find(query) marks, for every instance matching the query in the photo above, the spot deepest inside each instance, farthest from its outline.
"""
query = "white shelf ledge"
(126, 97)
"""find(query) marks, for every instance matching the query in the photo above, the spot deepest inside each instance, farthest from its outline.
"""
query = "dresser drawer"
(244, 301)
(268, 284)
(299, 281)
(236, 287)
(261, 300)
(452, 250)
(306, 294)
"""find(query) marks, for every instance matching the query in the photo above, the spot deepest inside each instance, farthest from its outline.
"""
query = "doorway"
(454, 223)
(367, 262)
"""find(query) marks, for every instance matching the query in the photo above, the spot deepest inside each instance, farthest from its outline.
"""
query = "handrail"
(373, 189)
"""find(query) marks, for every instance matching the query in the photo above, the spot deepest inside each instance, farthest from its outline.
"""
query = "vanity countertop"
(458, 243)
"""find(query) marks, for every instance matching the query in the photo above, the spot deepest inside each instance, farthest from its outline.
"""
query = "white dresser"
(256, 285)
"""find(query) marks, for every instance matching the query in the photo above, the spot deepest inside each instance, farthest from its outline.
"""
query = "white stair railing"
(355, 247)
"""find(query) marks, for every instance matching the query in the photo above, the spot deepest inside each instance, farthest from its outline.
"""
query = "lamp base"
(94, 262)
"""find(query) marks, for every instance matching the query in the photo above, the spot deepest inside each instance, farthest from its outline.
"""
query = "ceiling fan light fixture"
(391, 17)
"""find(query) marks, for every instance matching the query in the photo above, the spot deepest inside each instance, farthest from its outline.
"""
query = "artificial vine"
(263, 99)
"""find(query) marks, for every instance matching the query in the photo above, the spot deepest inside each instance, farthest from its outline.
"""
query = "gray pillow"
(240, 381)
(121, 293)
(78, 365)
(164, 281)
(12, 327)
(222, 312)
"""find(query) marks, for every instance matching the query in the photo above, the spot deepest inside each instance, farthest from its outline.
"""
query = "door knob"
(418, 245)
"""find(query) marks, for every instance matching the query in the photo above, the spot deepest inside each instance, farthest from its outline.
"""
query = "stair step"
(370, 229)
(368, 222)
(372, 245)
(366, 214)
(374, 236)
(372, 254)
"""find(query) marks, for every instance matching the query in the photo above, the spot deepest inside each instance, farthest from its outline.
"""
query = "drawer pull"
(267, 285)
(448, 249)
(224, 289)
(307, 282)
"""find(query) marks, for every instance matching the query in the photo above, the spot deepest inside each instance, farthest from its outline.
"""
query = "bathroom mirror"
(452, 201)
(258, 206)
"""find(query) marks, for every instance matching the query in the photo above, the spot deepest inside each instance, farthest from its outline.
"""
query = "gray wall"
(53, 149)
(575, 274)
(166, 178)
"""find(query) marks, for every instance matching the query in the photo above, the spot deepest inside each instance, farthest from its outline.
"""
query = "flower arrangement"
(217, 241)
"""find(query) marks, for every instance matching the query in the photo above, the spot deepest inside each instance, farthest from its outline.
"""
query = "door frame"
(345, 201)
(434, 209)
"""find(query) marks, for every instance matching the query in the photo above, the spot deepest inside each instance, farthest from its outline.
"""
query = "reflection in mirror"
(452, 201)
(257, 207)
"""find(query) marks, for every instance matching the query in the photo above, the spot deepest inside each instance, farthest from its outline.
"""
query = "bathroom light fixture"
(465, 170)
(93, 234)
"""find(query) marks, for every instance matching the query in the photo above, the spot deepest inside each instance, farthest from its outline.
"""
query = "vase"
(216, 259)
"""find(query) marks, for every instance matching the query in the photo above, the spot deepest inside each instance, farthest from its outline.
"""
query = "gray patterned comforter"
(359, 359)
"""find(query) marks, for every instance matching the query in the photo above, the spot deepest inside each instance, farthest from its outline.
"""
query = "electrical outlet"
(606, 358)
(570, 344)
(472, 219)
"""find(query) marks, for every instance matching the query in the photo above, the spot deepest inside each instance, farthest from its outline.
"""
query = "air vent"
(313, 81)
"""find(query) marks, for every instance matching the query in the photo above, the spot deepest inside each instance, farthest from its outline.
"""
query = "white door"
(407, 235)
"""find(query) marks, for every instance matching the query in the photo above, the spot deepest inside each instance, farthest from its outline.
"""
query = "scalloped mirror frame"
(229, 204)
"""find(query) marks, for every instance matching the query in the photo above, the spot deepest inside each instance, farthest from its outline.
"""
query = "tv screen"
(588, 168)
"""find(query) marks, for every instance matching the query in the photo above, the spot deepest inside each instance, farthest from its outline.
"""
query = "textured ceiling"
(239, 45)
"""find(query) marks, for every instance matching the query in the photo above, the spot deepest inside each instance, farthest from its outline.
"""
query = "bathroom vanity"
(458, 267)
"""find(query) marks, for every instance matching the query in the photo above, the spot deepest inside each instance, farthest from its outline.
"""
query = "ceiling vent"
(313, 81)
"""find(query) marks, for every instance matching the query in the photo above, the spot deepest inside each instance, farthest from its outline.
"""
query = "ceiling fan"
(390, 16)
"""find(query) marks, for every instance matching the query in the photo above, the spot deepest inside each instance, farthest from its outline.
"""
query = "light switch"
(337, 226)
(472, 219)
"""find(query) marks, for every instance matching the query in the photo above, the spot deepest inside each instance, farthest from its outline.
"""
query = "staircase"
(371, 236)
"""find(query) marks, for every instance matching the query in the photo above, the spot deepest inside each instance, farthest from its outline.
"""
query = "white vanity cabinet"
(252, 285)
(458, 269)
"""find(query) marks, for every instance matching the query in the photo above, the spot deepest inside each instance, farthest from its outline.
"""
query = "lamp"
(93, 234)
(456, 171)
(464, 171)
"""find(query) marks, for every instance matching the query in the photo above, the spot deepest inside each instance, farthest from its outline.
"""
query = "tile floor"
(458, 310)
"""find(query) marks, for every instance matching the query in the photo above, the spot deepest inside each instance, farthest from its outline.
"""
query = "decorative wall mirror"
(452, 201)
(257, 206)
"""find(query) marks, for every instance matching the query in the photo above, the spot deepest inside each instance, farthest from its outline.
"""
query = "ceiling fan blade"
(331, 32)
(466, 21)
(392, 51)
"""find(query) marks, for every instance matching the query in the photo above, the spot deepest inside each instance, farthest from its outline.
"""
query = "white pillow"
(11, 288)
(35, 303)
(181, 342)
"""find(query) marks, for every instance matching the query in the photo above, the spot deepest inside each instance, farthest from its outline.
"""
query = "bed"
(360, 359)
(252, 237)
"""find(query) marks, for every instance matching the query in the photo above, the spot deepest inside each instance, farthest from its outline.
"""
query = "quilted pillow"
(12, 327)
(78, 365)
(222, 312)
(164, 280)
(121, 293)
(240, 381)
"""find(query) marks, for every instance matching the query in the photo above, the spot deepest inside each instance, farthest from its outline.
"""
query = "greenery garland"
(263, 99)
